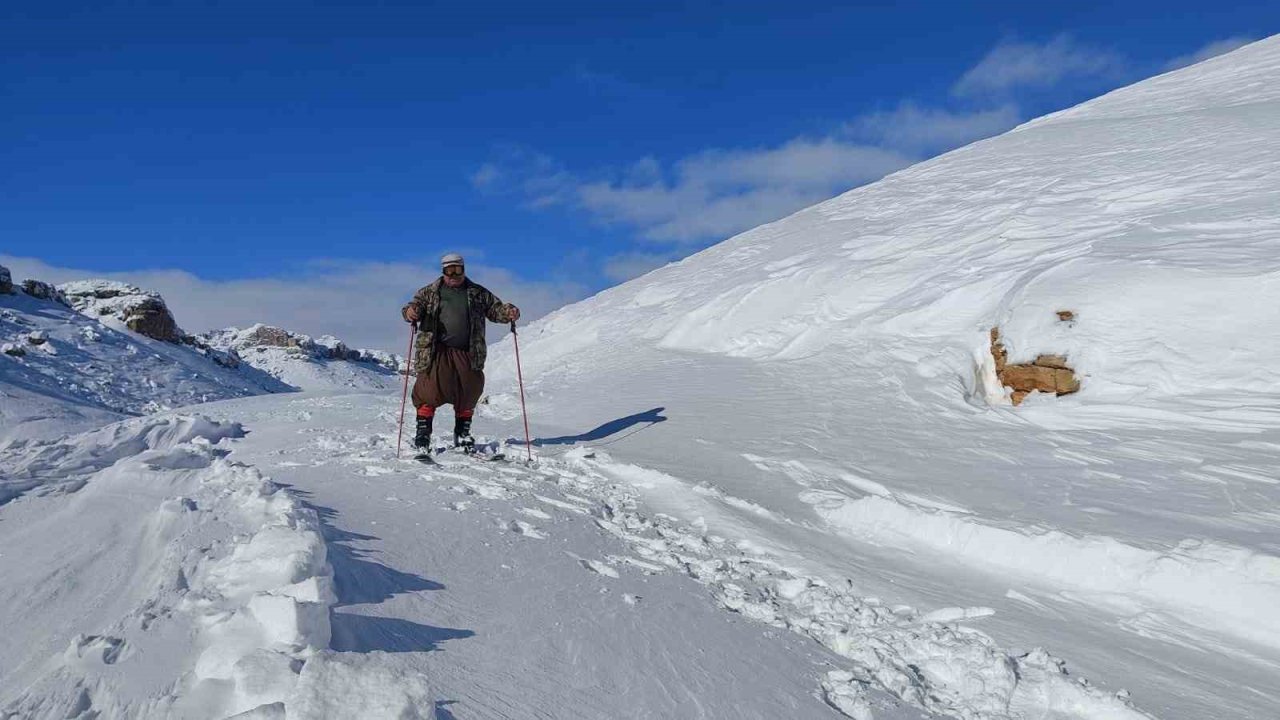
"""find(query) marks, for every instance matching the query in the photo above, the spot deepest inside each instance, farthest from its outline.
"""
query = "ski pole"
(515, 340)
(408, 363)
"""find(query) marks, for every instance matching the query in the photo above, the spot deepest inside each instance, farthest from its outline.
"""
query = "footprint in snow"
(100, 648)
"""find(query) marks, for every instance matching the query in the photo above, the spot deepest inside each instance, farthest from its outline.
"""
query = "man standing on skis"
(450, 348)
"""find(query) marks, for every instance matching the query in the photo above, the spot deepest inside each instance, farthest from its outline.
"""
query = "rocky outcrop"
(42, 291)
(227, 359)
(258, 338)
(6, 281)
(141, 311)
(1046, 374)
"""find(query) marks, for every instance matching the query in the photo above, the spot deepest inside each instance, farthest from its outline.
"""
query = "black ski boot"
(462, 435)
(422, 439)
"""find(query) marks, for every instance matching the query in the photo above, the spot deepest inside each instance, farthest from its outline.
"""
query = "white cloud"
(911, 127)
(486, 176)
(1011, 65)
(358, 302)
(1212, 50)
(708, 195)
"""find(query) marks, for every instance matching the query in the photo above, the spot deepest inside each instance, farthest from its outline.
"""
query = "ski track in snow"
(242, 585)
(923, 660)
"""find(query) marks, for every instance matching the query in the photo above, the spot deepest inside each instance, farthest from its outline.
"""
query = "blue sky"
(218, 149)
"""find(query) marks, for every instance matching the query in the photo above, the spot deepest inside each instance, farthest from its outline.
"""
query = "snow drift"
(172, 583)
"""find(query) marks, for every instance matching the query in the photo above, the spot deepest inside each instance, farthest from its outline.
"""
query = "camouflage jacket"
(481, 305)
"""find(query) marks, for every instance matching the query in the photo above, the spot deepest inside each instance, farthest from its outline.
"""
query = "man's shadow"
(648, 419)
(359, 580)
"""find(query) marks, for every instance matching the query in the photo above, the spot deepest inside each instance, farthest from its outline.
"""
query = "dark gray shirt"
(455, 322)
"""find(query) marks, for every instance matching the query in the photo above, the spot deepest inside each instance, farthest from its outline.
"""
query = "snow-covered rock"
(303, 361)
(326, 347)
(6, 281)
(141, 311)
(42, 290)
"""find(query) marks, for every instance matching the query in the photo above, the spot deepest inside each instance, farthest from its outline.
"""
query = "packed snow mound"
(62, 466)
(202, 589)
(1102, 209)
(306, 362)
(62, 371)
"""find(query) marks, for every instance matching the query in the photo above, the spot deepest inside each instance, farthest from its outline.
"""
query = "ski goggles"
(454, 270)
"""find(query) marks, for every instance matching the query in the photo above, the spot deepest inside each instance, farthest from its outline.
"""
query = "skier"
(450, 348)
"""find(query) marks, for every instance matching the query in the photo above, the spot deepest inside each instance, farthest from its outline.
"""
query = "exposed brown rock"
(1067, 382)
(1048, 374)
(6, 281)
(151, 318)
(141, 311)
(1066, 315)
(1051, 361)
(998, 351)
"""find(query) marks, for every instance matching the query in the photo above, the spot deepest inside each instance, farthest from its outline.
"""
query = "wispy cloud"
(1212, 50)
(719, 192)
(708, 195)
(683, 203)
(911, 127)
(358, 302)
(1013, 65)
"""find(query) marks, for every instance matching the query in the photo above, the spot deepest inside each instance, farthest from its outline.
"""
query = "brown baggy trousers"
(451, 381)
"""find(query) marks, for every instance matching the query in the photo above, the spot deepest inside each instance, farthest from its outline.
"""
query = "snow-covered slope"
(87, 353)
(821, 390)
(64, 371)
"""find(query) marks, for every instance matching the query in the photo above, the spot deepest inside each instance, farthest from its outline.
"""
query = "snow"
(776, 479)
(828, 397)
(88, 371)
